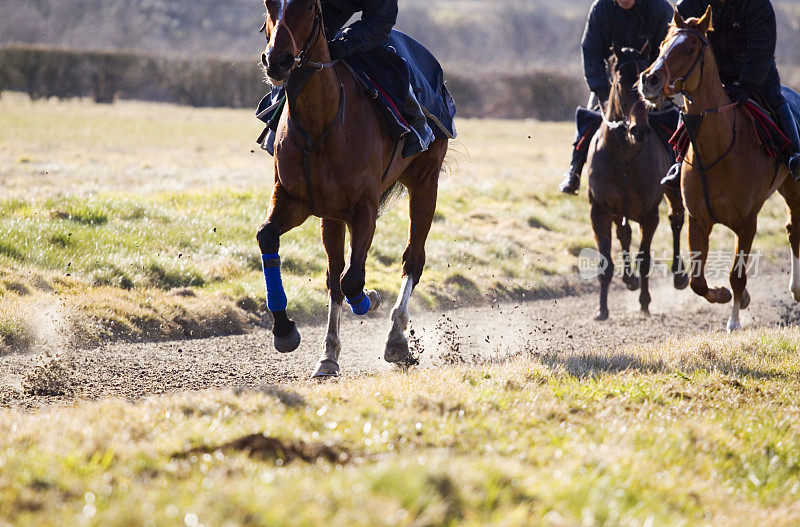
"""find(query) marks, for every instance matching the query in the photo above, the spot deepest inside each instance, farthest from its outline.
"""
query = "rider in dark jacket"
(613, 23)
(378, 17)
(743, 41)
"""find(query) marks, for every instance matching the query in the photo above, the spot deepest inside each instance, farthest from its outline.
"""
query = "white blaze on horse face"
(794, 283)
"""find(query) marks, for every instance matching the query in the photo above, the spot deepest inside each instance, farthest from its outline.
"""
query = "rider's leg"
(788, 125)
(585, 131)
(786, 121)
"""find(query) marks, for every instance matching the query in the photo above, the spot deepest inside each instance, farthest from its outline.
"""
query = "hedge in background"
(44, 72)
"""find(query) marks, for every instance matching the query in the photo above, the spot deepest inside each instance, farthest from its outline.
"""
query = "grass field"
(137, 220)
(691, 432)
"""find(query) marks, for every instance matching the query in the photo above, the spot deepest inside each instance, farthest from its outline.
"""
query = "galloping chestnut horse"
(726, 176)
(334, 159)
(626, 163)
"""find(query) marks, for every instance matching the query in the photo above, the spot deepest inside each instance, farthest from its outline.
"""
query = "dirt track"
(458, 335)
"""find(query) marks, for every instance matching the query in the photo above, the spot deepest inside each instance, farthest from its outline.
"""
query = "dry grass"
(699, 431)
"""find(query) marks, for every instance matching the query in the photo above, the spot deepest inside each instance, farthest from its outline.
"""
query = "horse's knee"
(268, 237)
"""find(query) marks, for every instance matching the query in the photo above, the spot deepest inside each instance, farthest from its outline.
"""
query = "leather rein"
(692, 122)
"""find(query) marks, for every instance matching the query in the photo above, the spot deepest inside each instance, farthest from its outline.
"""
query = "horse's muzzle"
(278, 69)
(651, 85)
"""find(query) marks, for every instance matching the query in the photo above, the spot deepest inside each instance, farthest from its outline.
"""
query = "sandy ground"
(461, 335)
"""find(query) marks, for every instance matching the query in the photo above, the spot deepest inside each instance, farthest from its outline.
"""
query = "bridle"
(693, 121)
(699, 59)
(300, 55)
(639, 62)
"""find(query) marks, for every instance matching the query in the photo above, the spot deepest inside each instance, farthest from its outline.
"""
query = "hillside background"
(480, 42)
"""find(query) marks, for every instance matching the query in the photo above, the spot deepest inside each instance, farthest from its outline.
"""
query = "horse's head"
(679, 66)
(625, 106)
(291, 27)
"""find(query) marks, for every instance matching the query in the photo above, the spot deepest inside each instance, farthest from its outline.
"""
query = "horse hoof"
(733, 325)
(397, 351)
(680, 281)
(745, 300)
(326, 368)
(796, 295)
(645, 311)
(632, 283)
(723, 295)
(287, 343)
(601, 315)
(374, 299)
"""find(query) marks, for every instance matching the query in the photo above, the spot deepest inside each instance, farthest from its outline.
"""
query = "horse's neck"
(714, 136)
(316, 105)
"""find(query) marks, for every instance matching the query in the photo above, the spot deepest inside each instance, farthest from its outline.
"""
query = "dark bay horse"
(334, 159)
(626, 163)
(726, 176)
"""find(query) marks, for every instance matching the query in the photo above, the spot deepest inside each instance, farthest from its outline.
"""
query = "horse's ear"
(677, 20)
(705, 23)
(645, 49)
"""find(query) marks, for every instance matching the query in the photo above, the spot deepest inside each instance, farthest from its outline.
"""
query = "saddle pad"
(770, 136)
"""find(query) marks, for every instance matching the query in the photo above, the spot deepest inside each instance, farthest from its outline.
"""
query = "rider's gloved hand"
(337, 49)
(738, 92)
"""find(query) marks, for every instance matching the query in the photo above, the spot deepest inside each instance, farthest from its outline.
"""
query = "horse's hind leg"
(601, 225)
(422, 193)
(362, 230)
(333, 239)
(790, 190)
(624, 237)
(676, 218)
(741, 298)
(698, 245)
(284, 214)
(649, 226)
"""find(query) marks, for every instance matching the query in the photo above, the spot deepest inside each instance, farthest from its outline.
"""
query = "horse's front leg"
(284, 214)
(333, 239)
(738, 277)
(649, 226)
(698, 246)
(676, 219)
(601, 226)
(362, 229)
(624, 236)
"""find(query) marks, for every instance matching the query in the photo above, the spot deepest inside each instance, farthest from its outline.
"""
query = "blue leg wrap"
(360, 305)
(276, 296)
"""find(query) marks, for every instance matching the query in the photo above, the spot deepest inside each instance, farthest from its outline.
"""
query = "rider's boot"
(789, 127)
(571, 181)
(673, 178)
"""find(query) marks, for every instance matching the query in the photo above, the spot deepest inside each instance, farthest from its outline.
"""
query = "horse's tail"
(390, 197)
